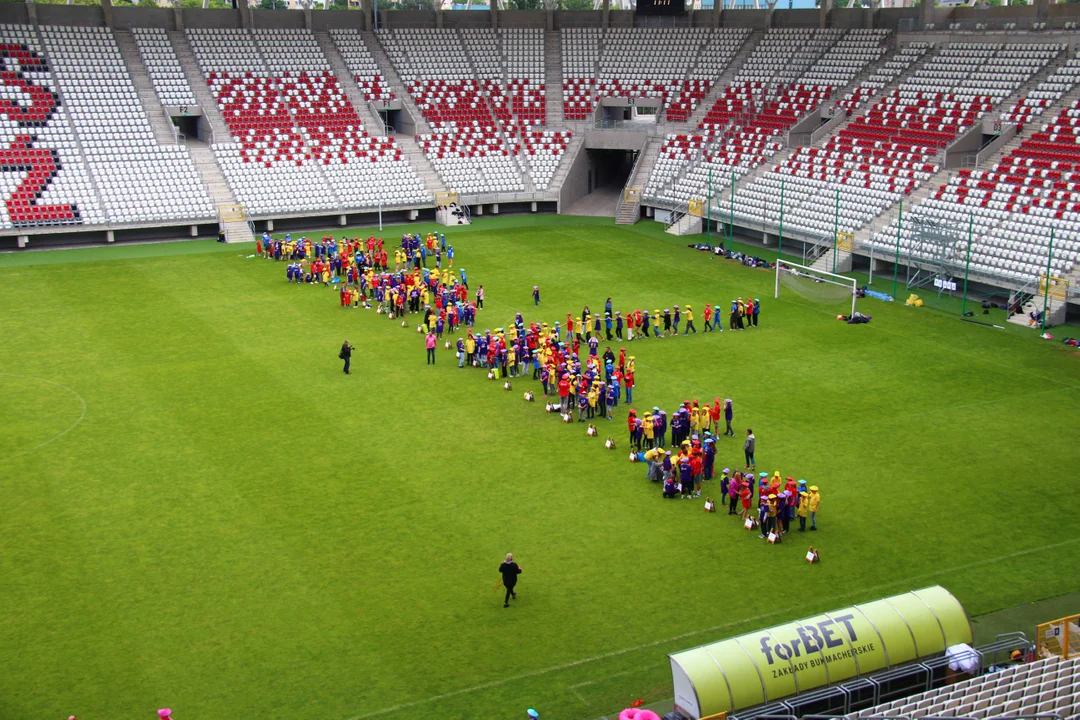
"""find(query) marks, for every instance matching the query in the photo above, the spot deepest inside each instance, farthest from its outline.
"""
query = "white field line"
(714, 628)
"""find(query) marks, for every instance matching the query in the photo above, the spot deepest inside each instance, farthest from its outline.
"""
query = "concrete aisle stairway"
(220, 192)
(420, 163)
(373, 123)
(390, 74)
(164, 132)
(553, 79)
(199, 87)
(629, 213)
(720, 85)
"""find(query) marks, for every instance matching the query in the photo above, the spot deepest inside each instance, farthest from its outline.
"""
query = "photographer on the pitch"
(510, 571)
(346, 354)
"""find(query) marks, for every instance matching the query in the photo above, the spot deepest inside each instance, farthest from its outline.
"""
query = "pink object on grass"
(638, 714)
(164, 713)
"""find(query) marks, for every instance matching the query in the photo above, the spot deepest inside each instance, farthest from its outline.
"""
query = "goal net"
(815, 285)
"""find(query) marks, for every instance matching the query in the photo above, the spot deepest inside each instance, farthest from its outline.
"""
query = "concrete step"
(238, 231)
(390, 73)
(372, 122)
(553, 78)
(211, 174)
(164, 130)
(419, 161)
(721, 83)
(211, 114)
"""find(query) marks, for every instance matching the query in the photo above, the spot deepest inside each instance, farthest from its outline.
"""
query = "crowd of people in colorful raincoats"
(564, 358)
(360, 271)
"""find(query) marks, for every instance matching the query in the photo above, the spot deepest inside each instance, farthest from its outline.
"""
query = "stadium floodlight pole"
(708, 209)
(896, 260)
(780, 239)
(731, 213)
(967, 263)
(1046, 289)
(835, 228)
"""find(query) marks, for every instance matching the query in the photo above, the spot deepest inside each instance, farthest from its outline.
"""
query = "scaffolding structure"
(939, 246)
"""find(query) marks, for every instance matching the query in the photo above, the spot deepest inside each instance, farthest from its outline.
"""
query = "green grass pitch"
(200, 511)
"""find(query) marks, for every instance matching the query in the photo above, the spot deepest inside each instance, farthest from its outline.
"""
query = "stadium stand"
(893, 148)
(580, 56)
(292, 138)
(163, 67)
(137, 180)
(1045, 686)
(298, 144)
(1010, 208)
(57, 188)
(361, 64)
(789, 74)
(1049, 91)
(648, 62)
(525, 77)
(466, 146)
(710, 63)
(897, 64)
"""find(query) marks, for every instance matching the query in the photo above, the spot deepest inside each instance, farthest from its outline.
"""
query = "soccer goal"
(815, 285)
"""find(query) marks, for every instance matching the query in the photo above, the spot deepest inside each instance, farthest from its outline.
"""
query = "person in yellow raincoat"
(814, 500)
(647, 427)
(803, 509)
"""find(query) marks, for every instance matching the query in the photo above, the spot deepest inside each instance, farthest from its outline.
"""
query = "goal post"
(815, 285)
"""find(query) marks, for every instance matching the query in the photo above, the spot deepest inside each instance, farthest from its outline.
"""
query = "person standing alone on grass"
(536, 295)
(509, 571)
(429, 341)
(346, 355)
(748, 448)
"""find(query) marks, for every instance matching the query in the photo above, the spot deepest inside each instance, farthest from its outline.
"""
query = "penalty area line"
(692, 633)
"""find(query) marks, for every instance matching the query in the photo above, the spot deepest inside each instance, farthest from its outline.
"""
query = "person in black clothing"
(510, 571)
(346, 354)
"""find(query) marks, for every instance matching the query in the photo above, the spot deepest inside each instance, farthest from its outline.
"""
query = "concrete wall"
(702, 19)
(125, 18)
(744, 18)
(14, 13)
(277, 19)
(578, 18)
(576, 184)
(848, 18)
(523, 19)
(323, 20)
(79, 15)
(784, 18)
(199, 18)
(408, 18)
(621, 18)
(891, 17)
(466, 19)
(615, 139)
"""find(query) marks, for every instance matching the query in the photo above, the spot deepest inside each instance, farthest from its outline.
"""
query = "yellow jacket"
(647, 426)
(815, 499)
